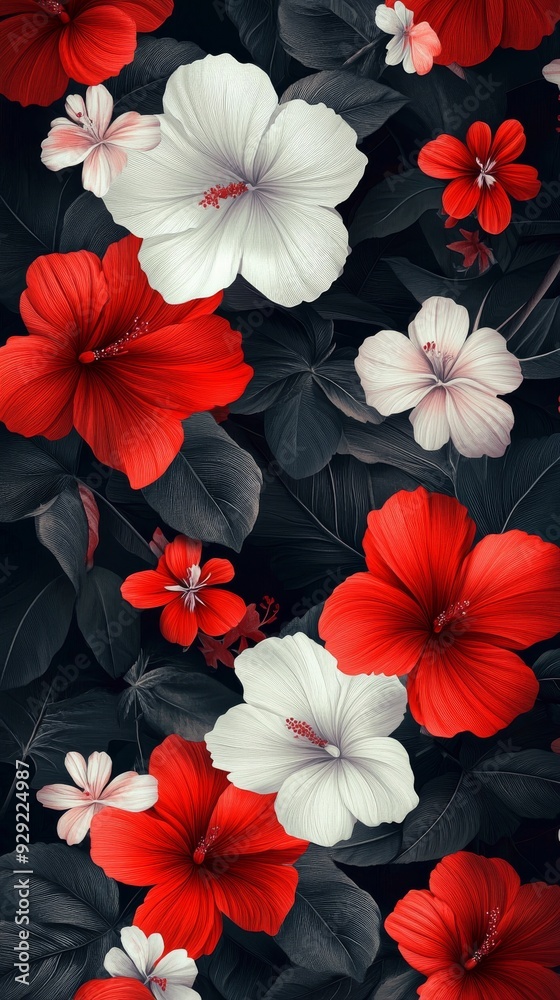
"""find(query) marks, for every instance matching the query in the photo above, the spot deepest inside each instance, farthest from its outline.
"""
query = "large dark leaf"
(547, 669)
(527, 782)
(243, 964)
(333, 925)
(326, 34)
(39, 471)
(401, 983)
(303, 431)
(369, 846)
(536, 343)
(302, 984)
(63, 530)
(211, 489)
(35, 726)
(74, 914)
(140, 85)
(446, 820)
(88, 225)
(110, 626)
(257, 23)
(392, 443)
(364, 104)
(395, 204)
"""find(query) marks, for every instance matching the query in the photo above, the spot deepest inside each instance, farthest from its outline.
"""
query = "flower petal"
(135, 131)
(30, 67)
(443, 321)
(176, 967)
(99, 768)
(185, 912)
(103, 165)
(76, 766)
(395, 375)
(426, 932)
(429, 419)
(509, 142)
(494, 208)
(138, 849)
(74, 824)
(519, 181)
(113, 989)
(425, 45)
(446, 157)
(131, 791)
(146, 589)
(257, 896)
(461, 197)
(219, 611)
(37, 383)
(147, 16)
(376, 782)
(178, 623)
(62, 797)
(529, 931)
(65, 146)
(309, 805)
(135, 944)
(480, 424)
(486, 361)
(99, 105)
(189, 786)
(218, 571)
(97, 43)
(65, 294)
(117, 963)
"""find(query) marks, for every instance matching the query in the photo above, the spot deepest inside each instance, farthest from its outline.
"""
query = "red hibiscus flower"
(188, 591)
(473, 251)
(447, 616)
(206, 847)
(477, 934)
(482, 173)
(469, 30)
(109, 357)
(46, 43)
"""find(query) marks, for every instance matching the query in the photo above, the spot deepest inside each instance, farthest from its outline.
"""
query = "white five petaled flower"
(239, 184)
(449, 380)
(130, 791)
(168, 978)
(413, 45)
(319, 738)
(91, 139)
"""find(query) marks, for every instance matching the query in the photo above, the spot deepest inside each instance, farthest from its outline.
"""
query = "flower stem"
(354, 58)
(541, 291)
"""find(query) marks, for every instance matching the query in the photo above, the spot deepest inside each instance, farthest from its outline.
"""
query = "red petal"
(520, 181)
(37, 385)
(98, 41)
(92, 515)
(479, 140)
(138, 848)
(446, 157)
(219, 611)
(184, 913)
(464, 685)
(425, 930)
(188, 786)
(148, 14)
(461, 197)
(248, 825)
(529, 932)
(512, 581)
(219, 570)
(497, 980)
(178, 623)
(30, 68)
(528, 21)
(180, 555)
(371, 627)
(469, 30)
(494, 209)
(147, 589)
(64, 299)
(114, 989)
(257, 896)
(509, 142)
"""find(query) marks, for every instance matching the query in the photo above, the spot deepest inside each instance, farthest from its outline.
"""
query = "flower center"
(120, 346)
(454, 613)
(489, 942)
(204, 845)
(55, 8)
(485, 176)
(212, 197)
(438, 360)
(162, 983)
(190, 587)
(302, 730)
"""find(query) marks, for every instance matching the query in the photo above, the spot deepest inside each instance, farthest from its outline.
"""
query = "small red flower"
(446, 614)
(478, 934)
(108, 356)
(470, 30)
(482, 173)
(188, 591)
(473, 251)
(45, 43)
(206, 847)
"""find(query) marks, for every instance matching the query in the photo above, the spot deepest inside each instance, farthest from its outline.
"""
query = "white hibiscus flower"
(449, 380)
(319, 738)
(168, 978)
(239, 184)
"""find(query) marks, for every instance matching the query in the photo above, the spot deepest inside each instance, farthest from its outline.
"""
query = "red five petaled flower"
(45, 43)
(108, 356)
(206, 847)
(482, 173)
(446, 614)
(477, 934)
(189, 592)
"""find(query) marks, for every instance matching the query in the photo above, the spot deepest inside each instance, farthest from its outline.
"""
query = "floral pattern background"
(279, 502)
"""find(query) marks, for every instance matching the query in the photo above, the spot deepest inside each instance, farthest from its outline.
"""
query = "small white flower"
(449, 380)
(130, 791)
(239, 184)
(413, 45)
(168, 978)
(319, 738)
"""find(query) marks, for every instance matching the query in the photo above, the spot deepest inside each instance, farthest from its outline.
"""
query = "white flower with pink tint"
(91, 139)
(551, 72)
(130, 791)
(413, 45)
(448, 379)
(168, 978)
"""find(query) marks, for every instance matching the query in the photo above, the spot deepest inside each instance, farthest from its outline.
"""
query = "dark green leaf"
(364, 104)
(110, 626)
(395, 204)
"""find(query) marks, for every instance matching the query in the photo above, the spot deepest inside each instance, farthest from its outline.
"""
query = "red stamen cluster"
(204, 845)
(453, 612)
(430, 346)
(304, 730)
(119, 346)
(489, 942)
(162, 983)
(53, 7)
(211, 198)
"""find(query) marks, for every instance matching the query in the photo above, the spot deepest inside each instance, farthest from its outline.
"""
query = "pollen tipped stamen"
(302, 730)
(162, 983)
(204, 845)
(212, 197)
(490, 941)
(485, 176)
(454, 613)
(54, 8)
(118, 347)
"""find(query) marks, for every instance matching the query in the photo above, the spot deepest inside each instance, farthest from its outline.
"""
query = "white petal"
(65, 146)
(156, 948)
(443, 321)
(98, 772)
(429, 419)
(369, 706)
(134, 131)
(135, 943)
(117, 963)
(76, 766)
(173, 991)
(62, 797)
(396, 50)
(387, 19)
(99, 104)
(102, 167)
(225, 107)
(257, 749)
(377, 782)
(293, 252)
(480, 424)
(408, 62)
(551, 72)
(75, 107)
(293, 677)
(177, 968)
(405, 16)
(132, 792)
(74, 824)
(485, 361)
(309, 156)
(309, 805)
(395, 375)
